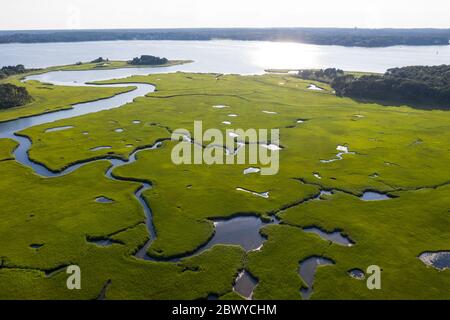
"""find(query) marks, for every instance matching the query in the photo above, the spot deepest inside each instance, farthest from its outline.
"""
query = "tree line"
(146, 60)
(319, 36)
(418, 86)
(12, 70)
(13, 96)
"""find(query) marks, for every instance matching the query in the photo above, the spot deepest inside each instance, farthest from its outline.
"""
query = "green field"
(397, 150)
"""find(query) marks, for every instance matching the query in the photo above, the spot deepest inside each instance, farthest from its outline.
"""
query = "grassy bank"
(399, 150)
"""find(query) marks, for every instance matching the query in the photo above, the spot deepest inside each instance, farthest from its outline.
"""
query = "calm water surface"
(227, 56)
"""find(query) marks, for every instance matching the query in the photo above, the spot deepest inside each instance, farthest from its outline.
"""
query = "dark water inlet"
(243, 231)
(104, 200)
(439, 260)
(374, 196)
(102, 242)
(36, 245)
(357, 274)
(307, 271)
(239, 230)
(335, 236)
(244, 284)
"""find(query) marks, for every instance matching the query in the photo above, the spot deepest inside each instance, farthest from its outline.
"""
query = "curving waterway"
(11, 128)
(233, 231)
(239, 230)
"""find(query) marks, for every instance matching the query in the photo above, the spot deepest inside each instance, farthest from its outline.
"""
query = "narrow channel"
(10, 129)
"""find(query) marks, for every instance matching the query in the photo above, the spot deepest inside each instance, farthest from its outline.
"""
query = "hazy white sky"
(73, 14)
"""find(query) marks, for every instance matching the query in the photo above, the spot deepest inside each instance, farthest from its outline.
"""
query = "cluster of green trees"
(13, 96)
(421, 86)
(100, 60)
(326, 75)
(320, 36)
(148, 60)
(12, 70)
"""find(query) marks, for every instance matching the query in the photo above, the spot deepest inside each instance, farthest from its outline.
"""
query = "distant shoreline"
(370, 38)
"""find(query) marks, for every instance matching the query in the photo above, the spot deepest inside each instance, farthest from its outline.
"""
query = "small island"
(144, 61)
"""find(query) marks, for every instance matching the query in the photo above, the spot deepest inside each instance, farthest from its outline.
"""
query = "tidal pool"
(100, 148)
(58, 129)
(104, 200)
(318, 176)
(357, 274)
(314, 87)
(240, 230)
(102, 242)
(335, 236)
(307, 271)
(243, 231)
(251, 170)
(374, 196)
(322, 193)
(342, 150)
(439, 260)
(244, 284)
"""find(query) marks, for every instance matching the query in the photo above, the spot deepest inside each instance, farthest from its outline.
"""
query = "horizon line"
(230, 28)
